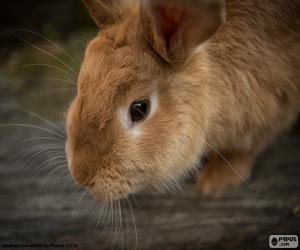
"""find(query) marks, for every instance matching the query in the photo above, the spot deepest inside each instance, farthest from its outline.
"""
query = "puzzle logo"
(283, 241)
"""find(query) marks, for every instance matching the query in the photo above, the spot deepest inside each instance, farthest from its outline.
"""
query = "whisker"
(53, 145)
(118, 226)
(59, 167)
(51, 42)
(36, 115)
(67, 180)
(80, 199)
(121, 223)
(106, 212)
(107, 215)
(44, 149)
(232, 168)
(34, 148)
(99, 219)
(47, 91)
(31, 126)
(42, 138)
(58, 159)
(41, 155)
(61, 80)
(114, 228)
(134, 224)
(135, 201)
(92, 203)
(127, 226)
(67, 74)
(45, 52)
(56, 168)
(79, 188)
(112, 217)
(109, 219)
(47, 162)
(74, 192)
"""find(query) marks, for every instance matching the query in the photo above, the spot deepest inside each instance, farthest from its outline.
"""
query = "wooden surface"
(39, 208)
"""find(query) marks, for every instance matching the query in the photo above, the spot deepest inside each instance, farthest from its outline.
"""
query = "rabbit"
(165, 83)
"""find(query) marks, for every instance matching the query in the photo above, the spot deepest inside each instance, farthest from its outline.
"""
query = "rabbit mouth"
(109, 192)
(103, 195)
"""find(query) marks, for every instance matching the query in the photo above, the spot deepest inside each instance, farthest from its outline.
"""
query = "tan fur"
(233, 96)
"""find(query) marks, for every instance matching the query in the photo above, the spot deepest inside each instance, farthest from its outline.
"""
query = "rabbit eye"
(139, 110)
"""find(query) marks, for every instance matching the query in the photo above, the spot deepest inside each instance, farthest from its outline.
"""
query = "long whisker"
(46, 163)
(42, 138)
(74, 192)
(115, 231)
(100, 215)
(135, 202)
(109, 218)
(127, 226)
(57, 163)
(31, 126)
(105, 213)
(112, 222)
(134, 224)
(51, 42)
(56, 168)
(79, 187)
(80, 199)
(44, 91)
(232, 168)
(32, 149)
(92, 203)
(61, 80)
(70, 76)
(121, 222)
(38, 150)
(45, 52)
(36, 115)
(43, 149)
(118, 226)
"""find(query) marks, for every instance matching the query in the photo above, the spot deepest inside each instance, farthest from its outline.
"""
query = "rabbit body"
(225, 88)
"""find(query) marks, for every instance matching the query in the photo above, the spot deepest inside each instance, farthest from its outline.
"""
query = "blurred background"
(41, 49)
(33, 68)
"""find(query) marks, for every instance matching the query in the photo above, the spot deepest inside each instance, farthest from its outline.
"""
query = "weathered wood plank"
(38, 208)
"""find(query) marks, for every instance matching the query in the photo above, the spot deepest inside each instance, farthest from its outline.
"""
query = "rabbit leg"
(231, 168)
(224, 171)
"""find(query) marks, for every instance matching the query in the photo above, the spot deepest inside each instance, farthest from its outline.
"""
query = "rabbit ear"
(105, 12)
(174, 28)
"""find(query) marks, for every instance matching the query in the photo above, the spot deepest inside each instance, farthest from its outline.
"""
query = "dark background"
(39, 203)
(55, 19)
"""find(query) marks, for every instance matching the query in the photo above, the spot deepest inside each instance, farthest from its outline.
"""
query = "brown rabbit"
(166, 82)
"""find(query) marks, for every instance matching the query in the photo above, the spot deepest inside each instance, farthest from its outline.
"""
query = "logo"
(274, 242)
(283, 241)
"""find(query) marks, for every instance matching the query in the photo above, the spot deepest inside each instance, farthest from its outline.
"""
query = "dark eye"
(139, 110)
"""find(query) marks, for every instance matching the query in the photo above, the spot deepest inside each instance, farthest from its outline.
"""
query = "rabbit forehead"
(113, 77)
(107, 65)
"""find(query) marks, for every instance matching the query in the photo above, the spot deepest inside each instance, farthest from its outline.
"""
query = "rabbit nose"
(83, 178)
(80, 167)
